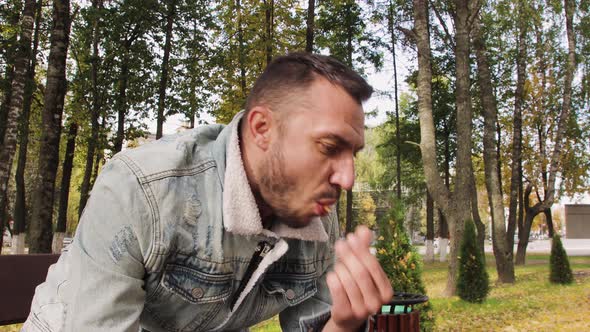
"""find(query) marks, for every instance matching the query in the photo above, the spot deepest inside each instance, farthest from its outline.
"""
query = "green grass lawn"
(531, 304)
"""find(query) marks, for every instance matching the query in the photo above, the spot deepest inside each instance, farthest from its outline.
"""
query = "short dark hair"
(298, 71)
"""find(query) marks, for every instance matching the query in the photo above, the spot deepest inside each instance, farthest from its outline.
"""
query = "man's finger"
(357, 245)
(365, 235)
(340, 304)
(368, 296)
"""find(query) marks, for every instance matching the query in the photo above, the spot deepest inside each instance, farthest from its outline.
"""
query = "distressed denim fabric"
(151, 252)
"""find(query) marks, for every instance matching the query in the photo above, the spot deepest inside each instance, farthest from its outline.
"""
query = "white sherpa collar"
(240, 212)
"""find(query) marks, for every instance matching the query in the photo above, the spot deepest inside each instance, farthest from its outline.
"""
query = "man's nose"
(343, 175)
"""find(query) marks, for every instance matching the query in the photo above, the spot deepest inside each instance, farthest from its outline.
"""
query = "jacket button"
(197, 292)
(290, 294)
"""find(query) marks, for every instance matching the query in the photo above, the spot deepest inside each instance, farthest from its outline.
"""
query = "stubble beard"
(278, 190)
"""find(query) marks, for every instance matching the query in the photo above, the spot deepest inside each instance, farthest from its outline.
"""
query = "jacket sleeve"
(98, 283)
(313, 313)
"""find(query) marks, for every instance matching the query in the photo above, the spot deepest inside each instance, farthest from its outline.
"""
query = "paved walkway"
(573, 247)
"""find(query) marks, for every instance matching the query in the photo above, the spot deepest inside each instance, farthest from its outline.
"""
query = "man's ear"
(259, 124)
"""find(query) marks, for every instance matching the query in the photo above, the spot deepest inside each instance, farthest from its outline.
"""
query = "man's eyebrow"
(343, 142)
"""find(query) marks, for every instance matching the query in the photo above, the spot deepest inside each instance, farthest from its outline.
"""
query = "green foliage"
(241, 44)
(341, 29)
(560, 270)
(473, 279)
(366, 210)
(401, 262)
(412, 174)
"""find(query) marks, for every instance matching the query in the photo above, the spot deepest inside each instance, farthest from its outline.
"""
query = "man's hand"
(358, 284)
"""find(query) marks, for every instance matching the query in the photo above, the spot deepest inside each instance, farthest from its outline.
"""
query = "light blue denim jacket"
(165, 241)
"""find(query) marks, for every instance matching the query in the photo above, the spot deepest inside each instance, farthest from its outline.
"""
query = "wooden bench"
(19, 275)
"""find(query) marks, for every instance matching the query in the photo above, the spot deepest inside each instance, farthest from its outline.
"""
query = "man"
(223, 227)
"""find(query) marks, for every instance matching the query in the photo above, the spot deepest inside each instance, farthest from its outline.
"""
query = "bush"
(401, 262)
(560, 271)
(473, 280)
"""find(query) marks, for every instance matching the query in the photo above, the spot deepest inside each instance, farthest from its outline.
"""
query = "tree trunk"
(397, 129)
(429, 229)
(310, 26)
(64, 194)
(503, 251)
(99, 156)
(516, 174)
(349, 225)
(66, 177)
(524, 228)
(55, 91)
(443, 234)
(481, 228)
(456, 208)
(424, 90)
(461, 202)
(13, 20)
(121, 104)
(20, 209)
(269, 24)
(95, 112)
(521, 208)
(522, 245)
(170, 16)
(241, 56)
(349, 36)
(21, 63)
(549, 222)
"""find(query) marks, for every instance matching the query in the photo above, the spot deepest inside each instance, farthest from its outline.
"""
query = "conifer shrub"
(401, 262)
(560, 270)
(473, 279)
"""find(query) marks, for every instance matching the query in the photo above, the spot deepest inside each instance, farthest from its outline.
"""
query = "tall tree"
(429, 257)
(351, 45)
(10, 15)
(170, 17)
(269, 27)
(192, 81)
(128, 27)
(547, 201)
(94, 15)
(516, 166)
(479, 225)
(55, 90)
(310, 28)
(503, 251)
(19, 214)
(21, 63)
(455, 205)
(64, 191)
(391, 22)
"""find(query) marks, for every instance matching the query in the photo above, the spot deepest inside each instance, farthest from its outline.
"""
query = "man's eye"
(329, 149)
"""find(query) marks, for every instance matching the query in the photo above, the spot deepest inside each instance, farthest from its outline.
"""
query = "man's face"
(311, 154)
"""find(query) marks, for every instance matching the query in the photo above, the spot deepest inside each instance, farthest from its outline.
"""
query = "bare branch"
(475, 9)
(448, 37)
(410, 34)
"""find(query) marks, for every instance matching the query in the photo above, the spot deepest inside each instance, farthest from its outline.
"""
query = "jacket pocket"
(188, 298)
(195, 286)
(294, 288)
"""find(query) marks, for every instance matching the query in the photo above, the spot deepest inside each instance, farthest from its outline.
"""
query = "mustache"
(332, 193)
